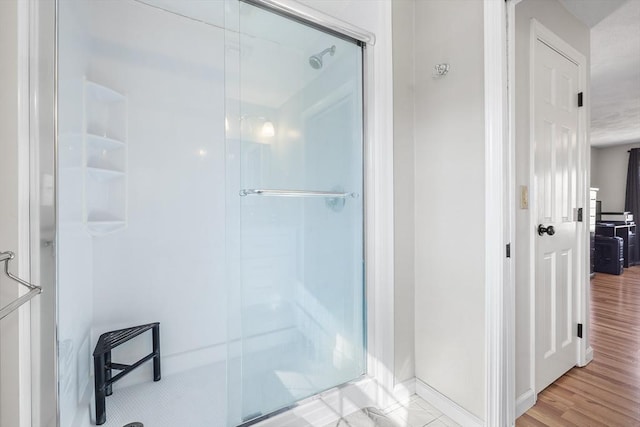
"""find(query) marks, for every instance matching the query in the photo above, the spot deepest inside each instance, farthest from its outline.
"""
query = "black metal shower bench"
(103, 365)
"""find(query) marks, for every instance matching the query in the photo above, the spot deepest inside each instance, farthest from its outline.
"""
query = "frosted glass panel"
(168, 111)
(141, 209)
(295, 209)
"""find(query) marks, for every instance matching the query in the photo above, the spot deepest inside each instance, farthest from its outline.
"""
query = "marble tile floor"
(414, 412)
(178, 400)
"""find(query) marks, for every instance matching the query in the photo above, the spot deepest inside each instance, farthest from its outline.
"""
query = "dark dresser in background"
(609, 255)
(628, 234)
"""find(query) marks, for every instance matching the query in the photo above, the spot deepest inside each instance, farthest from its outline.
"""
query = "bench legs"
(103, 365)
(107, 373)
(99, 365)
(155, 333)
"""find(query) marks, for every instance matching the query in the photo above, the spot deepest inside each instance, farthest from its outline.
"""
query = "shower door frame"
(377, 380)
(41, 37)
(378, 201)
(377, 386)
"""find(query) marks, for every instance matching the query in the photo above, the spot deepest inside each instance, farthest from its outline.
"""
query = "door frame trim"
(584, 352)
(499, 224)
(24, 232)
(379, 210)
(15, 355)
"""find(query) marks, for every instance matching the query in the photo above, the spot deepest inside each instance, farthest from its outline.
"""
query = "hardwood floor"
(606, 392)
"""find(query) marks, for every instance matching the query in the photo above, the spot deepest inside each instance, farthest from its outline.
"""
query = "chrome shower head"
(316, 60)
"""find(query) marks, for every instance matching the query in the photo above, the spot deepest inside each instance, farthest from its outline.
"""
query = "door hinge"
(579, 330)
(580, 102)
(508, 250)
(579, 214)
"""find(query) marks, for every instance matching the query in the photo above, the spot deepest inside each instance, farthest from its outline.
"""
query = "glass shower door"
(294, 210)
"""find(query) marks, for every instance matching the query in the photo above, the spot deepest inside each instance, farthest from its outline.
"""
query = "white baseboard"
(588, 356)
(447, 406)
(525, 401)
(404, 390)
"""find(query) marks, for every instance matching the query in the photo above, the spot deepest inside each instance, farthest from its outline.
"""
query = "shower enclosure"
(209, 178)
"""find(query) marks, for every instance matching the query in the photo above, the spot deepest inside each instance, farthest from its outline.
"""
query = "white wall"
(168, 265)
(595, 158)
(609, 174)
(449, 201)
(553, 16)
(404, 184)
(9, 237)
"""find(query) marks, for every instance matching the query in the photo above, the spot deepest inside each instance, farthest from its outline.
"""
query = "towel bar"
(33, 289)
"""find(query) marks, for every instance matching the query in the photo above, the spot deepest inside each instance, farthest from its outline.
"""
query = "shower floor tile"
(419, 413)
(195, 398)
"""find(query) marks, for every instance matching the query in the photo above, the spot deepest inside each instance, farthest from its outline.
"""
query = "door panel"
(555, 136)
(295, 174)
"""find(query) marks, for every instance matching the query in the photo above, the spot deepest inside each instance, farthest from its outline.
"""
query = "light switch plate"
(524, 197)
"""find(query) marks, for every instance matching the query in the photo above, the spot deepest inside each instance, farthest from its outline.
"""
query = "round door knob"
(549, 230)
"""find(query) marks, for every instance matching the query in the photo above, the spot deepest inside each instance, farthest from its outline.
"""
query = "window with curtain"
(632, 198)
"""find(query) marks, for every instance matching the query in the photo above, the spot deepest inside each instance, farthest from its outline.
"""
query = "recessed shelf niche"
(104, 159)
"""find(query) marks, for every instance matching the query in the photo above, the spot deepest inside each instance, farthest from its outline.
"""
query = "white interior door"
(556, 185)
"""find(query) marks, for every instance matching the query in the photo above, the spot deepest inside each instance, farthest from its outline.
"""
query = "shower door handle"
(15, 304)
